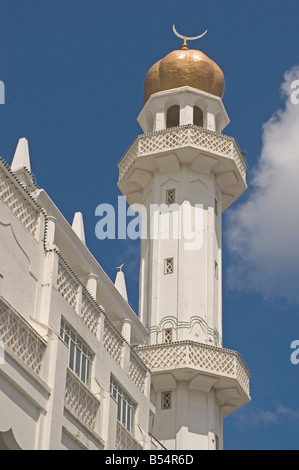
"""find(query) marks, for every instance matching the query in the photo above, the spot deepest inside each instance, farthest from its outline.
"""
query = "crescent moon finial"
(185, 38)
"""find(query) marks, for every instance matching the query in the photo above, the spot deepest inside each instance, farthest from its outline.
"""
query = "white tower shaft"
(180, 276)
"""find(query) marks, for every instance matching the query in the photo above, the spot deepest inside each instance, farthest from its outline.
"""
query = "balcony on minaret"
(168, 149)
(183, 126)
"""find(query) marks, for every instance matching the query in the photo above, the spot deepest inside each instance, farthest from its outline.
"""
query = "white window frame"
(79, 356)
(126, 407)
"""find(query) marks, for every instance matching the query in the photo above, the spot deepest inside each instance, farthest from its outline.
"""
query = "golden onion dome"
(185, 67)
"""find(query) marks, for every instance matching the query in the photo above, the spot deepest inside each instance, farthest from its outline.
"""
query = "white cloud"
(254, 416)
(263, 233)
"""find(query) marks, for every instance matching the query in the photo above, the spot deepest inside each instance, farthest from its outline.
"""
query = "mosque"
(79, 369)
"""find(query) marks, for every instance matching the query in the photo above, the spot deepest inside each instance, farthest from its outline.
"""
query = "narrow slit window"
(168, 335)
(168, 266)
(170, 196)
(166, 399)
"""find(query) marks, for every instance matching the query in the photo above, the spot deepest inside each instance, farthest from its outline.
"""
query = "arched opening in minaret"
(197, 116)
(173, 116)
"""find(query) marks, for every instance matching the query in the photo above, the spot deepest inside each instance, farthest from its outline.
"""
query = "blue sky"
(74, 73)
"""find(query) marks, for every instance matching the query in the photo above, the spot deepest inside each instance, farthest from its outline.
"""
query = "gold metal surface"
(185, 67)
(185, 45)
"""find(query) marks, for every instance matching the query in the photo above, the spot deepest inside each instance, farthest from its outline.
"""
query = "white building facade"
(70, 377)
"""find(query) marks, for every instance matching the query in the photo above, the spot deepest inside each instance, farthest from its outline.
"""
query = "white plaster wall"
(19, 414)
(191, 423)
(21, 264)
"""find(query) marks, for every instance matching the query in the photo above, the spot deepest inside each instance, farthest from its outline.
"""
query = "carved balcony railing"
(80, 400)
(183, 136)
(208, 359)
(137, 371)
(21, 338)
(68, 286)
(125, 440)
(114, 343)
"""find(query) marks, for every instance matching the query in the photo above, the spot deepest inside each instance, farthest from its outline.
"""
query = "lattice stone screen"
(206, 358)
(137, 372)
(163, 357)
(125, 440)
(212, 359)
(67, 286)
(80, 400)
(89, 314)
(112, 342)
(17, 335)
(163, 140)
(21, 208)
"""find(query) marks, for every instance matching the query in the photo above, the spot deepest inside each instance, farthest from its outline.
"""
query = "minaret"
(182, 174)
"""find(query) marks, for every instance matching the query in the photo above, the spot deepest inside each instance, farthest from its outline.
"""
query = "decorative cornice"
(23, 188)
(162, 346)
